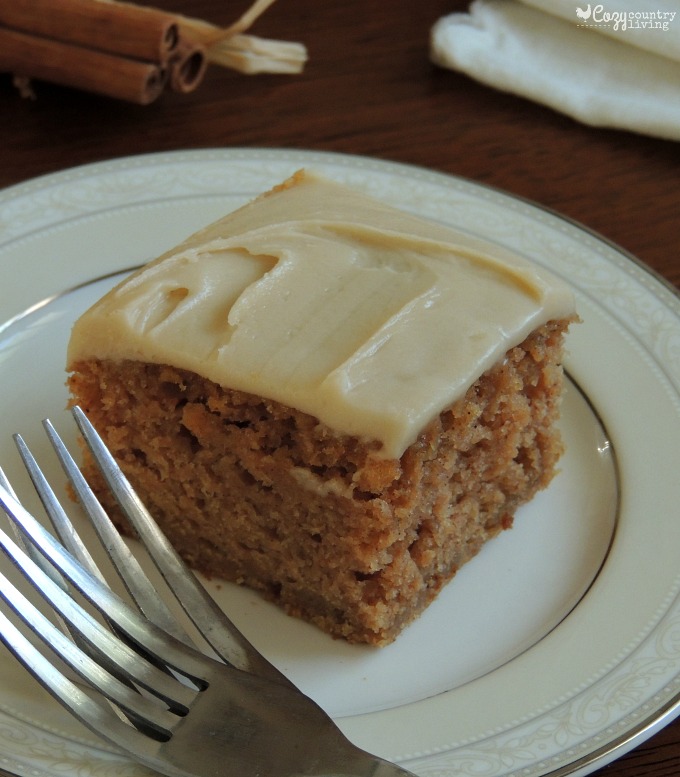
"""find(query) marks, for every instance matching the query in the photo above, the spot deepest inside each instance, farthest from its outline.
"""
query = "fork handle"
(387, 769)
(360, 763)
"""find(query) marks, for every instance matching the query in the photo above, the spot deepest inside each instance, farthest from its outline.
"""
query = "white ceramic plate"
(553, 651)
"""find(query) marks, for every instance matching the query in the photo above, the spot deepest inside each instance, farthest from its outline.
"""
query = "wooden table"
(370, 89)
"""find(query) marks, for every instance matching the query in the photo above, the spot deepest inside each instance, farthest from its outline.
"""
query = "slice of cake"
(329, 400)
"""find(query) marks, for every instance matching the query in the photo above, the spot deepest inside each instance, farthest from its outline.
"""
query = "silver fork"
(142, 684)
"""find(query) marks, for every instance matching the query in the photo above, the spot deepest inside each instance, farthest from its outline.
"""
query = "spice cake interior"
(251, 490)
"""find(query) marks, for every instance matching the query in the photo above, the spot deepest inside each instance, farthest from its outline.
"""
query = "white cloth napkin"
(609, 65)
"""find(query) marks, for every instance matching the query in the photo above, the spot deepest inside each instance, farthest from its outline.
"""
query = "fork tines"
(133, 674)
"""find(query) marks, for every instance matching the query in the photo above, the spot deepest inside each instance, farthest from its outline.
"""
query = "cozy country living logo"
(599, 16)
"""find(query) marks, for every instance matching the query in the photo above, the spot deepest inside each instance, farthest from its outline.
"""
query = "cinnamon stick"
(130, 51)
(187, 67)
(119, 28)
(80, 67)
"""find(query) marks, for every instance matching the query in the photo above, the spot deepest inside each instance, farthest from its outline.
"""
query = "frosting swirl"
(323, 299)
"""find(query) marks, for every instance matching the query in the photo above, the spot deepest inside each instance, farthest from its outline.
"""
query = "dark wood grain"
(370, 89)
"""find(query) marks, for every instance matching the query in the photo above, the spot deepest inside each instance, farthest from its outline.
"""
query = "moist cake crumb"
(255, 492)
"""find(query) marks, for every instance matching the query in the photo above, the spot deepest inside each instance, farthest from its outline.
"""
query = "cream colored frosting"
(321, 298)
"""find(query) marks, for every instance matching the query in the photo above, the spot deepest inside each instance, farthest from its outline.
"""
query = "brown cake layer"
(255, 492)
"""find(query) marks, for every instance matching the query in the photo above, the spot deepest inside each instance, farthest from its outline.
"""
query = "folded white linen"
(599, 79)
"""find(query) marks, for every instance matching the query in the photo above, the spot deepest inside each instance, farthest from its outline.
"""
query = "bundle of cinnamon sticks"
(128, 51)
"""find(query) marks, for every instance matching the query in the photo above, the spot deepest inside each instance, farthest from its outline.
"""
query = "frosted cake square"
(329, 400)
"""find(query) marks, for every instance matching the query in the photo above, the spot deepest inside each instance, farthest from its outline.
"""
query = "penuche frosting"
(321, 298)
